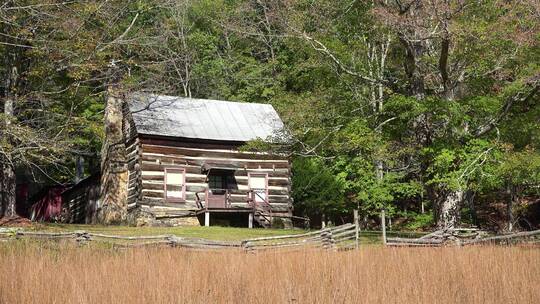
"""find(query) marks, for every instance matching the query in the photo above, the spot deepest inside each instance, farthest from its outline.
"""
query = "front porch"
(221, 202)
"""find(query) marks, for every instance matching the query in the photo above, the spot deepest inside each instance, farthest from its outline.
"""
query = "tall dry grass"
(40, 274)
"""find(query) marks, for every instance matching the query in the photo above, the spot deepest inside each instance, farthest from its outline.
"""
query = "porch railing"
(253, 199)
(261, 206)
(217, 198)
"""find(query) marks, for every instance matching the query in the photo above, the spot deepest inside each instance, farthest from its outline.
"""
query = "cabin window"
(175, 185)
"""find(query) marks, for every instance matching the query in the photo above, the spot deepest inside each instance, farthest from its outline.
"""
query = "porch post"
(250, 220)
(207, 219)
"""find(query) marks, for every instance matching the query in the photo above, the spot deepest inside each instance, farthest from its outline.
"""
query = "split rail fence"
(465, 237)
(340, 237)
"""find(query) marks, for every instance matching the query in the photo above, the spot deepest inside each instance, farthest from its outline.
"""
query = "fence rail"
(464, 237)
(342, 237)
(339, 237)
(331, 238)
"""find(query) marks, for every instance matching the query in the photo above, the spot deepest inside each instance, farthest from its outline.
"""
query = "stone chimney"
(114, 172)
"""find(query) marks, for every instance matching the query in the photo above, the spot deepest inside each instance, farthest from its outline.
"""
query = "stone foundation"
(141, 217)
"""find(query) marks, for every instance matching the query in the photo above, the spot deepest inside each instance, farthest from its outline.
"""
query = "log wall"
(156, 155)
(80, 202)
(133, 157)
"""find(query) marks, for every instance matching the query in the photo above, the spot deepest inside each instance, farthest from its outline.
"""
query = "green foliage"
(457, 167)
(316, 190)
(520, 168)
(419, 221)
(356, 143)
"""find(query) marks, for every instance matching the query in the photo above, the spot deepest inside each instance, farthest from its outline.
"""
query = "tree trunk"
(79, 168)
(469, 198)
(7, 171)
(512, 199)
(447, 211)
(7, 189)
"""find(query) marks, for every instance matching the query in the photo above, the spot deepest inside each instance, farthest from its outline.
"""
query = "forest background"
(427, 109)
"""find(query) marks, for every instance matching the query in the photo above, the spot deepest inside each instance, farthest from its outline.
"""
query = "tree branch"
(518, 98)
(119, 38)
(319, 46)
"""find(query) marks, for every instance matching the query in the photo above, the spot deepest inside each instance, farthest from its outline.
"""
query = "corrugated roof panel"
(203, 119)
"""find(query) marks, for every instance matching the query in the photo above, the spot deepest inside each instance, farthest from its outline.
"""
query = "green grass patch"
(213, 233)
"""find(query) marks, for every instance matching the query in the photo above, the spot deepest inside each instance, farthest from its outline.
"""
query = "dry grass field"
(53, 273)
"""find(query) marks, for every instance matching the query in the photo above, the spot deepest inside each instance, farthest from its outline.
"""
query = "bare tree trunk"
(512, 199)
(422, 203)
(7, 180)
(79, 168)
(469, 198)
(7, 188)
(449, 208)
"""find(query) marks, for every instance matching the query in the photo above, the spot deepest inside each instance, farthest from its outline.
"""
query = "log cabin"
(80, 202)
(177, 161)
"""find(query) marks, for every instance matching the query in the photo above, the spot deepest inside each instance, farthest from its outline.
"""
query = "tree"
(58, 59)
(435, 66)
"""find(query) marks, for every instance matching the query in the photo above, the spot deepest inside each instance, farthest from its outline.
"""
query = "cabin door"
(258, 183)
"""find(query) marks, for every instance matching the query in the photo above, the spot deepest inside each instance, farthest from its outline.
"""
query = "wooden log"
(503, 237)
(281, 246)
(340, 228)
(46, 234)
(168, 151)
(344, 233)
(142, 244)
(415, 241)
(411, 245)
(132, 238)
(433, 234)
(301, 242)
(344, 238)
(182, 240)
(199, 160)
(311, 233)
(282, 237)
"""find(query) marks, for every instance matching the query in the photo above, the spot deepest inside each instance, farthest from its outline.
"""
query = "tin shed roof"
(203, 118)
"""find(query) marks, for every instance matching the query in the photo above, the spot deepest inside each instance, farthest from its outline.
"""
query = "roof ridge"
(201, 99)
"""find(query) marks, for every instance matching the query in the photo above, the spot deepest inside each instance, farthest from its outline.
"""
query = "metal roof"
(204, 118)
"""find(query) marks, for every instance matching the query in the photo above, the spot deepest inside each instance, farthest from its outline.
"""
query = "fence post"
(383, 224)
(248, 247)
(327, 240)
(357, 228)
(324, 238)
(81, 237)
